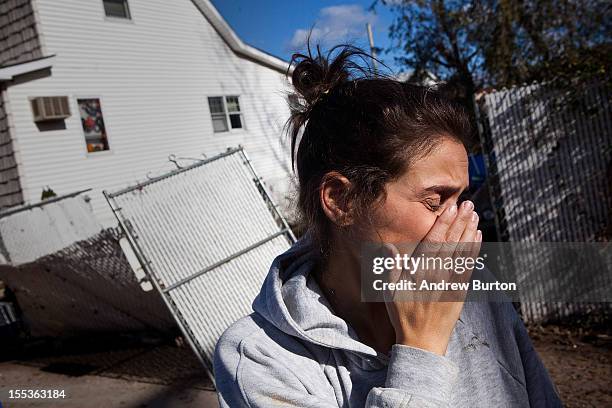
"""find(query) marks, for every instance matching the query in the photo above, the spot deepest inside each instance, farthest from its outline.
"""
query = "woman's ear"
(333, 198)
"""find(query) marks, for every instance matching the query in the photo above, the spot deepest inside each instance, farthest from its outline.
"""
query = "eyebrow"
(444, 190)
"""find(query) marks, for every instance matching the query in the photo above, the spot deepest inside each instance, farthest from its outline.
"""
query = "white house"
(98, 93)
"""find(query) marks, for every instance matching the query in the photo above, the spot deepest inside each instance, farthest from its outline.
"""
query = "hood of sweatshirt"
(292, 301)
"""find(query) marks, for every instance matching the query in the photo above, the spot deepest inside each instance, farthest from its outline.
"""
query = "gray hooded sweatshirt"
(293, 351)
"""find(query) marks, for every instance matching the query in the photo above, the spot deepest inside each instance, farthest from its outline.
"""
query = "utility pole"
(372, 49)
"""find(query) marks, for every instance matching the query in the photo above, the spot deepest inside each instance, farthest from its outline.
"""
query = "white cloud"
(334, 25)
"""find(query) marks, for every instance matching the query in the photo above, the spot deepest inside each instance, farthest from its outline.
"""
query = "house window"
(93, 125)
(225, 113)
(116, 8)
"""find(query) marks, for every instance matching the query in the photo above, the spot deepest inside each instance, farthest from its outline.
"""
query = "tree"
(497, 43)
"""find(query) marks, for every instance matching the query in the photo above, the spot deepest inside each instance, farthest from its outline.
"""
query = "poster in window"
(93, 125)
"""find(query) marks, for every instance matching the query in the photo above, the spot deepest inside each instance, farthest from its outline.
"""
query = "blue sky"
(280, 27)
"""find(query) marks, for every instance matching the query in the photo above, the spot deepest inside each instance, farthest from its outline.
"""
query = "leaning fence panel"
(206, 236)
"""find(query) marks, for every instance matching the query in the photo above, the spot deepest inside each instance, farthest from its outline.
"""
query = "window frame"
(227, 113)
(87, 153)
(128, 19)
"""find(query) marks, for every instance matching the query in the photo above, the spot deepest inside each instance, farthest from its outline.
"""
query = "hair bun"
(311, 77)
(315, 75)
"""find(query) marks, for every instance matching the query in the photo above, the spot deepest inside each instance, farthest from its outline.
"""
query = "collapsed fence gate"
(205, 236)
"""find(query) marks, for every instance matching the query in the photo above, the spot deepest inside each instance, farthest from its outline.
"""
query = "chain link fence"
(549, 161)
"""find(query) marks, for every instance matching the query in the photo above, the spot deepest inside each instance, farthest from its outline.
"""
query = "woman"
(378, 161)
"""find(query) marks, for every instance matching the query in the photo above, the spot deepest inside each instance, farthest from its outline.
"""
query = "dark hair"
(365, 125)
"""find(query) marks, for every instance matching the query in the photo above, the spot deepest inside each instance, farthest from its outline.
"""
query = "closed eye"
(433, 205)
(441, 193)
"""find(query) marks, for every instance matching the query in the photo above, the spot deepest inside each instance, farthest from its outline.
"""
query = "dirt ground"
(105, 372)
(100, 391)
(580, 364)
(164, 375)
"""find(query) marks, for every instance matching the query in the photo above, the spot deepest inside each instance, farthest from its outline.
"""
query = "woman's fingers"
(468, 237)
(439, 230)
(470, 249)
(435, 239)
(469, 233)
(463, 224)
(463, 220)
(477, 244)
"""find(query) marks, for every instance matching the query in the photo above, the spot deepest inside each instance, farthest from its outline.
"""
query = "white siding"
(153, 75)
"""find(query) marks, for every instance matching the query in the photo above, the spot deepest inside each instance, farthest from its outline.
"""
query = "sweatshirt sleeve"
(253, 377)
(415, 378)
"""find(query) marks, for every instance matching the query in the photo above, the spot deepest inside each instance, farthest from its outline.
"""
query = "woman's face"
(416, 198)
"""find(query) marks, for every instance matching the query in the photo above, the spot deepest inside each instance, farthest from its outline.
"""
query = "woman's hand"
(428, 321)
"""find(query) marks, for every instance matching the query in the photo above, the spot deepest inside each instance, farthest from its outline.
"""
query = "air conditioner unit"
(50, 108)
